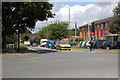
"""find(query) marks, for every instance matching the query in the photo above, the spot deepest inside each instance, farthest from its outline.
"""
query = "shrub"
(73, 44)
(22, 49)
(9, 50)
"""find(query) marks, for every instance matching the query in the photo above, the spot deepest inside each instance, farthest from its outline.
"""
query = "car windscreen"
(64, 42)
(44, 41)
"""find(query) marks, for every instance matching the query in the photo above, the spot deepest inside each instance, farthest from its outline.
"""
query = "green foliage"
(79, 39)
(23, 15)
(11, 38)
(8, 50)
(31, 41)
(71, 40)
(72, 32)
(23, 48)
(115, 23)
(73, 44)
(28, 31)
(58, 30)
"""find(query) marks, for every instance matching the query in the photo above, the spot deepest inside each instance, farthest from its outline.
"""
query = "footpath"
(81, 50)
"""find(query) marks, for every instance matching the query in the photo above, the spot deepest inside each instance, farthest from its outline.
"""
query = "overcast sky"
(81, 12)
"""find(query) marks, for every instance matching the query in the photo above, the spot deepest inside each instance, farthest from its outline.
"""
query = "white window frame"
(82, 29)
(97, 26)
(106, 25)
(101, 27)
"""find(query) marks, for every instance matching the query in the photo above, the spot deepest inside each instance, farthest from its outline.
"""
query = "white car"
(79, 43)
(83, 44)
(87, 44)
(43, 42)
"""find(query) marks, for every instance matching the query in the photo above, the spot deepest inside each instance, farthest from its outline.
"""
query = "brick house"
(101, 31)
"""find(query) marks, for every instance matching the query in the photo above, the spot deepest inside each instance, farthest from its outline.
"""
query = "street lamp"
(69, 22)
(18, 41)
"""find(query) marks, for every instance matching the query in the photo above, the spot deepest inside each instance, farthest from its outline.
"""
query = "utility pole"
(69, 24)
(92, 30)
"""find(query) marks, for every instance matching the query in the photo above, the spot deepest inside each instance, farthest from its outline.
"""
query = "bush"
(79, 39)
(73, 44)
(9, 50)
(22, 49)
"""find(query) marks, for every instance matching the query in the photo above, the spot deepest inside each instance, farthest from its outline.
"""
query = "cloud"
(81, 14)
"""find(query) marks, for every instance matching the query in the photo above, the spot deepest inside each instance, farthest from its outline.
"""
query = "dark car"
(108, 45)
(85, 46)
(98, 43)
(53, 45)
(117, 44)
(49, 43)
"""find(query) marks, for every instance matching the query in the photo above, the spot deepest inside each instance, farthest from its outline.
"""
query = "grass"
(76, 47)
(23, 48)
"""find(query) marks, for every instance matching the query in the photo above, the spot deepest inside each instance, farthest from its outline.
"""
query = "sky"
(80, 12)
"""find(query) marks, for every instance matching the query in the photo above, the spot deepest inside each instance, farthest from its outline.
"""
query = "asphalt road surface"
(49, 63)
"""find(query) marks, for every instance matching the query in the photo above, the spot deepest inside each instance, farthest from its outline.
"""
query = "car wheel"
(87, 47)
(69, 49)
(108, 48)
(58, 48)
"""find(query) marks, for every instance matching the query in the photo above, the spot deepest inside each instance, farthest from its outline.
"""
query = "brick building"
(101, 31)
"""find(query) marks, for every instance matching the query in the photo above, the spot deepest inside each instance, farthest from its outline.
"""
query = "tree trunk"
(3, 41)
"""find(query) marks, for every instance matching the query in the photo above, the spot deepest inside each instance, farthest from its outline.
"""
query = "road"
(49, 63)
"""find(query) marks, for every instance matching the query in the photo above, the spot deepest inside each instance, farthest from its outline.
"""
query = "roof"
(100, 21)
(32, 36)
(103, 20)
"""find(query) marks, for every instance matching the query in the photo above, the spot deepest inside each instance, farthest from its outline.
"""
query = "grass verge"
(76, 47)
(23, 48)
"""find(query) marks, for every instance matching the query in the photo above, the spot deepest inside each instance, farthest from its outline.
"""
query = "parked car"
(53, 45)
(83, 44)
(34, 44)
(98, 43)
(63, 45)
(87, 45)
(108, 45)
(43, 42)
(79, 43)
(49, 43)
(117, 44)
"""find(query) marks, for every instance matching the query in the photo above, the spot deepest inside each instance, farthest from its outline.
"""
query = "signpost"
(92, 30)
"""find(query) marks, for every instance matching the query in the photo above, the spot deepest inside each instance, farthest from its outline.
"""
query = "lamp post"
(69, 22)
(18, 41)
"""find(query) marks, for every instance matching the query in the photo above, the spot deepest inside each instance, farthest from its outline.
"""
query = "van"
(43, 42)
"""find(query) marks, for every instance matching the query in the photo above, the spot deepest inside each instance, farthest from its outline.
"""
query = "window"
(97, 37)
(98, 27)
(83, 29)
(105, 31)
(106, 25)
(101, 26)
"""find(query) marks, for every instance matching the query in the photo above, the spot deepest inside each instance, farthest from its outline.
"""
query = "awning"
(112, 35)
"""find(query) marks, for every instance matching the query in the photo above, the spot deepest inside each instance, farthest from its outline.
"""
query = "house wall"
(98, 33)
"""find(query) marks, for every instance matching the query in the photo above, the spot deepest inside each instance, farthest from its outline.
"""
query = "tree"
(58, 30)
(23, 15)
(72, 32)
(115, 23)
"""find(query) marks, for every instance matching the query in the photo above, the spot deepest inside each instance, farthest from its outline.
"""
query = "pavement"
(47, 63)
